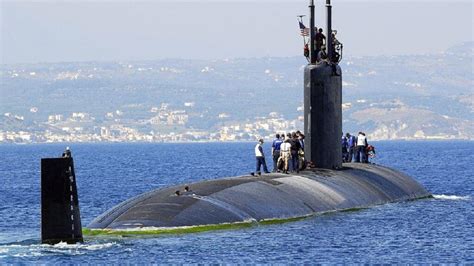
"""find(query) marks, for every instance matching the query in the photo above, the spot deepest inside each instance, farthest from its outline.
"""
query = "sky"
(65, 31)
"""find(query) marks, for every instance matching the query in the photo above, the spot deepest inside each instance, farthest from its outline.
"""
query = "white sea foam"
(38, 250)
(78, 246)
(451, 197)
(28, 254)
(100, 246)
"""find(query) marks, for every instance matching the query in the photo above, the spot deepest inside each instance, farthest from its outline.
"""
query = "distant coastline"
(207, 142)
(180, 100)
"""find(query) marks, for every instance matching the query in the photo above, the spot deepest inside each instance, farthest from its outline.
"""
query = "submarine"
(329, 185)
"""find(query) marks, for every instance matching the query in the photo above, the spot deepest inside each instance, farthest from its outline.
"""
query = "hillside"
(395, 97)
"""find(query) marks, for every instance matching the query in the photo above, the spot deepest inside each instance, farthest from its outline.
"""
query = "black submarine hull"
(267, 197)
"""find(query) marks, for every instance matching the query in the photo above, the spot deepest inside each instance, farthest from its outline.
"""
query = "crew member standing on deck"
(260, 157)
(345, 147)
(292, 144)
(285, 153)
(361, 155)
(276, 151)
(295, 149)
(300, 139)
(301, 159)
(351, 146)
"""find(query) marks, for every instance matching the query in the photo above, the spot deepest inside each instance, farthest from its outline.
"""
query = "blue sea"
(438, 230)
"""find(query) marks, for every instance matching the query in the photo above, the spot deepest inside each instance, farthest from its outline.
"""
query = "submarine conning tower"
(322, 100)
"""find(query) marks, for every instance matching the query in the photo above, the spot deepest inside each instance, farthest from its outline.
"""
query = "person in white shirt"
(260, 157)
(285, 154)
(361, 144)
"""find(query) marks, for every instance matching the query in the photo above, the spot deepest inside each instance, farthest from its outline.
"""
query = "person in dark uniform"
(320, 39)
(345, 146)
(295, 148)
(351, 141)
(276, 151)
(300, 138)
(301, 158)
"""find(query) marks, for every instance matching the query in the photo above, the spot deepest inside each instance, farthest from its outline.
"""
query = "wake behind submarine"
(332, 186)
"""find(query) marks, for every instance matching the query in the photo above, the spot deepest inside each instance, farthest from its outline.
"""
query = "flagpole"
(329, 41)
(312, 51)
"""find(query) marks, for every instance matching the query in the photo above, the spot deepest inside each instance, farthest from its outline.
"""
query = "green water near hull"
(214, 227)
(186, 229)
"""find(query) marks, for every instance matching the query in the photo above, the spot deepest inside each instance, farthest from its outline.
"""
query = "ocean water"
(438, 230)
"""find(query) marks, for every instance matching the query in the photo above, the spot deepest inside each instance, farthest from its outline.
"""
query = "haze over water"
(65, 31)
(435, 230)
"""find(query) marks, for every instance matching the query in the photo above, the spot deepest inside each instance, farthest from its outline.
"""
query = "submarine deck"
(259, 198)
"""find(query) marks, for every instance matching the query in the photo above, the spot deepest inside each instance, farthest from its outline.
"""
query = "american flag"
(303, 29)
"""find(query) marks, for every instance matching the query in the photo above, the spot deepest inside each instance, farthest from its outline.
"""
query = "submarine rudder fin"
(60, 214)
